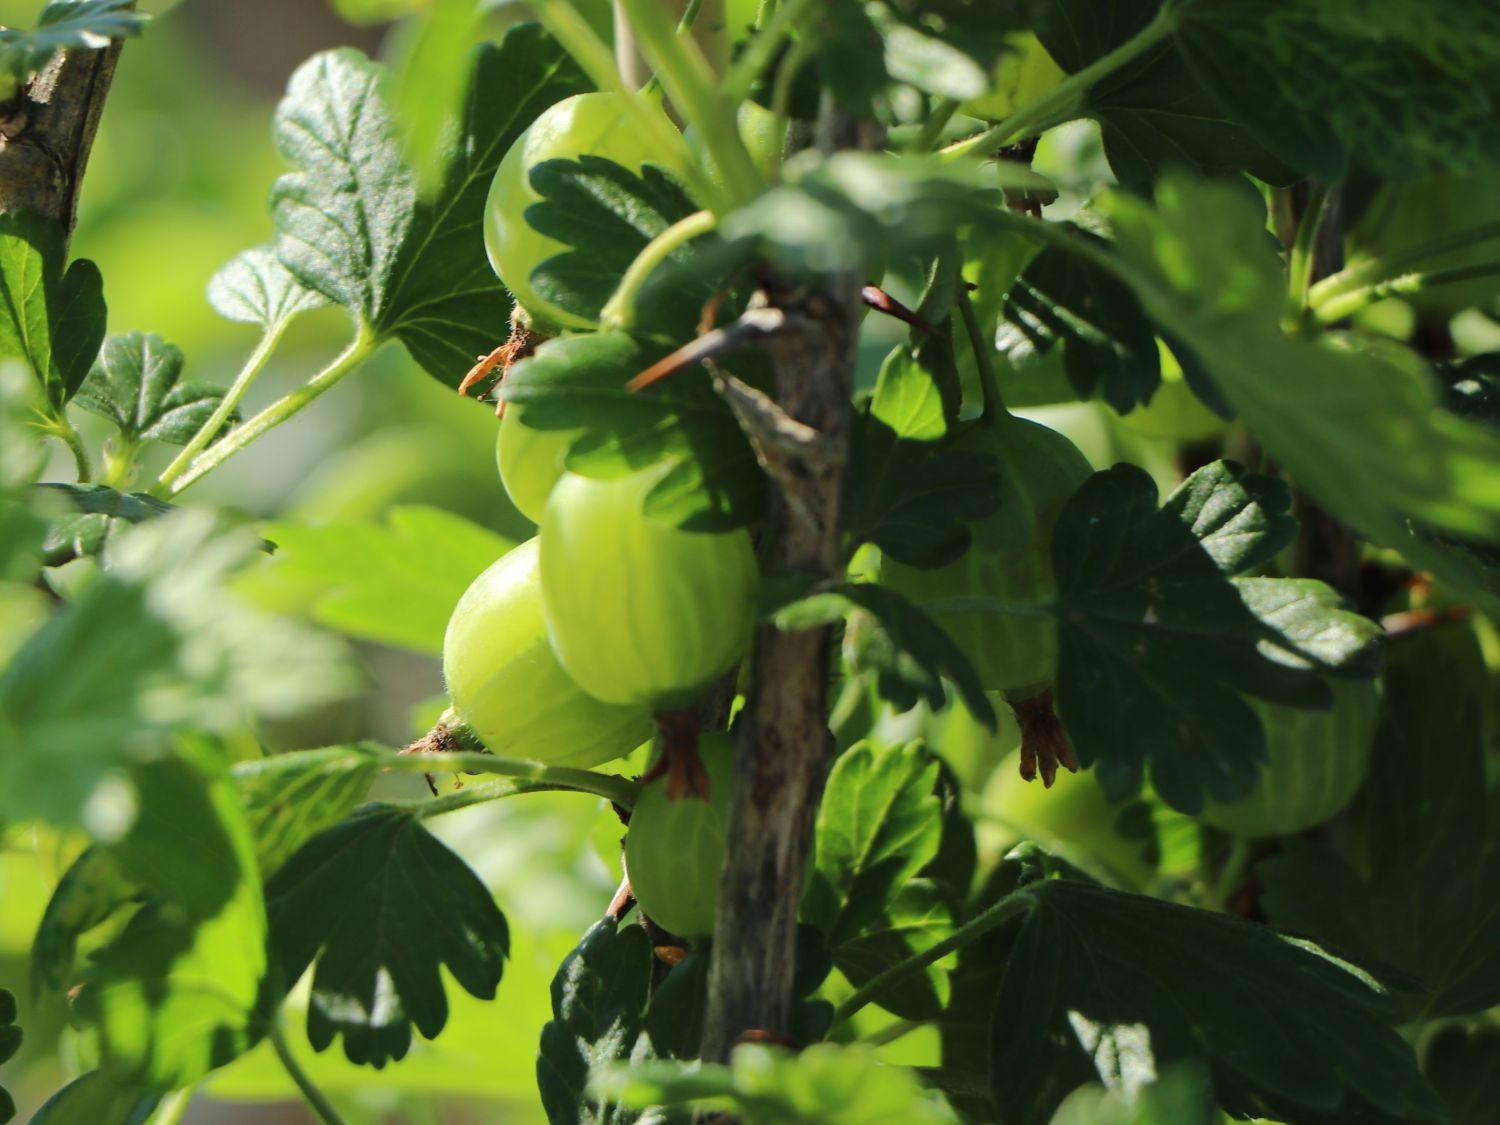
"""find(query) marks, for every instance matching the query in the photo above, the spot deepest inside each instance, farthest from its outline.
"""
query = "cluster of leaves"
(63, 25)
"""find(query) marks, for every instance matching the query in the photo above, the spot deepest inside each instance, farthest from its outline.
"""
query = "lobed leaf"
(445, 303)
(342, 217)
(290, 798)
(1359, 429)
(72, 25)
(255, 288)
(598, 997)
(1124, 984)
(605, 215)
(1156, 643)
(382, 906)
(137, 384)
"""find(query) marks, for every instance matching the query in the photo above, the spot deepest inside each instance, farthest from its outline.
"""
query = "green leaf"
(917, 917)
(1156, 644)
(180, 991)
(50, 318)
(878, 825)
(255, 288)
(67, 25)
(856, 211)
(1464, 1066)
(914, 396)
(446, 305)
(96, 1096)
(1153, 113)
(382, 906)
(908, 653)
(395, 584)
(598, 997)
(1404, 112)
(1109, 348)
(10, 1043)
(290, 798)
(606, 215)
(914, 498)
(1106, 980)
(137, 384)
(90, 892)
(342, 217)
(153, 644)
(1182, 1095)
(102, 512)
(579, 383)
(1360, 430)
(929, 63)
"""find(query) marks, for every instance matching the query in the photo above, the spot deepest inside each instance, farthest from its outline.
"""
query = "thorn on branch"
(881, 301)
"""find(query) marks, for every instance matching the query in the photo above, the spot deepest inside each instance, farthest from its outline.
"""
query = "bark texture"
(46, 133)
(783, 747)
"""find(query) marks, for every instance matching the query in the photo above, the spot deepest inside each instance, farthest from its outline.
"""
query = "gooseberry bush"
(1016, 492)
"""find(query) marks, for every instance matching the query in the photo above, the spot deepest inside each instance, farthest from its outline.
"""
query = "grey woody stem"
(46, 134)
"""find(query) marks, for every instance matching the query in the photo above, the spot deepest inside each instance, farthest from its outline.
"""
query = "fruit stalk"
(784, 746)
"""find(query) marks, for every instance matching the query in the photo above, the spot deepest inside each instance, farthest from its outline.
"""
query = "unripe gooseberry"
(1010, 558)
(586, 124)
(507, 686)
(530, 461)
(1318, 760)
(639, 611)
(674, 850)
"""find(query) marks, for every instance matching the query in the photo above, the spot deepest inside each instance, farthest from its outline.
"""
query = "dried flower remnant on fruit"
(1044, 742)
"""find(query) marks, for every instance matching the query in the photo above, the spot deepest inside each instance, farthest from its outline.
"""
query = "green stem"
(932, 128)
(622, 791)
(1337, 308)
(357, 352)
(781, 101)
(173, 1108)
(690, 82)
(63, 430)
(310, 1092)
(1231, 873)
(1399, 262)
(207, 432)
(989, 385)
(1062, 101)
(761, 51)
(1013, 904)
(978, 603)
(619, 310)
(1300, 257)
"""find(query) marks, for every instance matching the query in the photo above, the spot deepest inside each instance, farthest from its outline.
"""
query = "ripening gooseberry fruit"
(508, 687)
(1010, 558)
(639, 611)
(585, 124)
(1075, 819)
(674, 850)
(1318, 760)
(530, 461)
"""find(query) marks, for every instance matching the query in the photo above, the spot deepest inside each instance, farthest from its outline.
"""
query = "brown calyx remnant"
(522, 342)
(1044, 743)
(678, 761)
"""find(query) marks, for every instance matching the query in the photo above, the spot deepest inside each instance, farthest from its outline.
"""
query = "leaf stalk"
(1060, 103)
(1012, 905)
